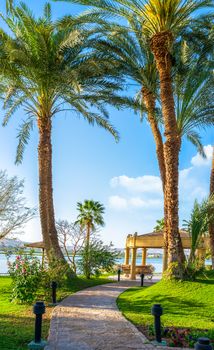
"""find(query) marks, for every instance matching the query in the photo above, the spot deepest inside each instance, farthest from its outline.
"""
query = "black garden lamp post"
(118, 275)
(54, 288)
(142, 279)
(38, 310)
(157, 312)
(203, 344)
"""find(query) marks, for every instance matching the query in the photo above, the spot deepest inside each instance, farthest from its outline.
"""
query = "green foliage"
(174, 271)
(184, 337)
(90, 213)
(156, 16)
(197, 226)
(49, 67)
(97, 258)
(159, 225)
(26, 273)
(194, 269)
(54, 272)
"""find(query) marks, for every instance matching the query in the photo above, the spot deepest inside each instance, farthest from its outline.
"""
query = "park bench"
(147, 270)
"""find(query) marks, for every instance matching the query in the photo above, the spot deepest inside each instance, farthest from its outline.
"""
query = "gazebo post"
(133, 264)
(144, 254)
(134, 255)
(127, 252)
(165, 259)
(201, 254)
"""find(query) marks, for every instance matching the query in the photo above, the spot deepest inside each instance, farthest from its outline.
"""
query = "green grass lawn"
(185, 304)
(17, 321)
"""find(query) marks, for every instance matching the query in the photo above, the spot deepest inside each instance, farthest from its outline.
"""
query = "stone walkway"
(90, 320)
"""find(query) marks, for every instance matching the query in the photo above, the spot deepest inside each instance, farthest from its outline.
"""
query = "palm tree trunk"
(49, 231)
(149, 101)
(211, 227)
(160, 45)
(88, 231)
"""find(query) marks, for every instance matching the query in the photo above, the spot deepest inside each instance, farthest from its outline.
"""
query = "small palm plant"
(198, 225)
(90, 217)
(47, 69)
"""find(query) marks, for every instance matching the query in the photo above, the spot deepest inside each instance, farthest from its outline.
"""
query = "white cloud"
(140, 203)
(118, 203)
(198, 160)
(137, 202)
(144, 193)
(142, 184)
(185, 173)
(121, 203)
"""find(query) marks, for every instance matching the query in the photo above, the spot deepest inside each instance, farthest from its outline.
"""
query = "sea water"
(156, 262)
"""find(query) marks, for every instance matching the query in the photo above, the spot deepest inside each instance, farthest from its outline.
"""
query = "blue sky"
(88, 164)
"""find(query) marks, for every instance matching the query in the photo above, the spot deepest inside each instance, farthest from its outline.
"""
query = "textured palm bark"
(88, 231)
(47, 219)
(51, 215)
(149, 101)
(211, 227)
(43, 201)
(160, 44)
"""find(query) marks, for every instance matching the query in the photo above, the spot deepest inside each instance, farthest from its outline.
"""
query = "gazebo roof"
(156, 240)
(35, 245)
(160, 234)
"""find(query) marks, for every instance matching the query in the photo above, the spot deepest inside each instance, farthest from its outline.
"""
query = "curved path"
(90, 320)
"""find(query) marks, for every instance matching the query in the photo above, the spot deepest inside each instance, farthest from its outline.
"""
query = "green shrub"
(26, 272)
(55, 272)
(97, 258)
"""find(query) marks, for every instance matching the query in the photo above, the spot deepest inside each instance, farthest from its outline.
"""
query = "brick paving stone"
(90, 320)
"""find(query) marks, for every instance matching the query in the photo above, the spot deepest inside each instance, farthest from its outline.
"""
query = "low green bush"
(26, 273)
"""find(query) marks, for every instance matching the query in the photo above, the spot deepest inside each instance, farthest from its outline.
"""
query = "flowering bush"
(26, 273)
(179, 337)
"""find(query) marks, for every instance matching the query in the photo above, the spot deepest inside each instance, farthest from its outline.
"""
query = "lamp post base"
(37, 346)
(156, 343)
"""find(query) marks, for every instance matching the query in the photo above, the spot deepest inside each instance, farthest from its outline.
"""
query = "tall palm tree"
(163, 22)
(211, 226)
(90, 216)
(45, 70)
(193, 87)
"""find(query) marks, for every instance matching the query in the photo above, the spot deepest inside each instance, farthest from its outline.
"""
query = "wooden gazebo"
(155, 240)
(38, 245)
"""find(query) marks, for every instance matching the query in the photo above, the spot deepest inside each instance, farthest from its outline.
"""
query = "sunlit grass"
(17, 321)
(185, 304)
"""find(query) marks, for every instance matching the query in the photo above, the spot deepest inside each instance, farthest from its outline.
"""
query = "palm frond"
(23, 138)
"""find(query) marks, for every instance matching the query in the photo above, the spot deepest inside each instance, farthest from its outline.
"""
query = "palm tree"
(90, 216)
(45, 70)
(211, 226)
(197, 226)
(163, 22)
(193, 87)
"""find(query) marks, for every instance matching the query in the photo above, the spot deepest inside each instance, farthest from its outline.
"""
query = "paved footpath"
(90, 320)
